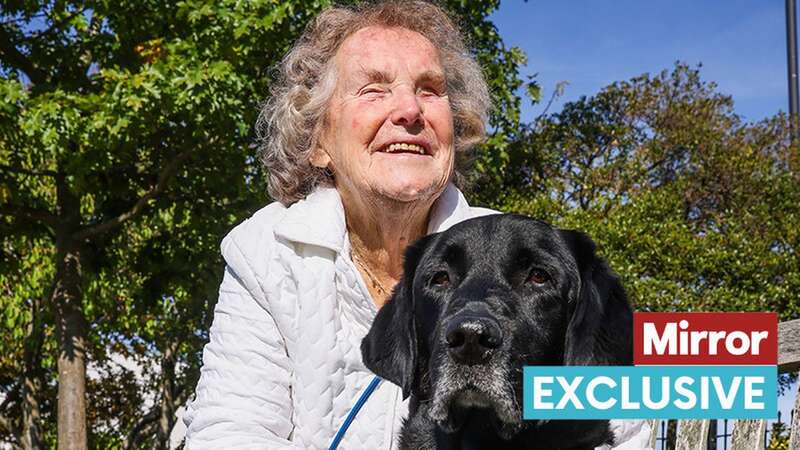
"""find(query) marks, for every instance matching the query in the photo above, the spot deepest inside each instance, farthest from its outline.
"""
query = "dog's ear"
(600, 330)
(390, 348)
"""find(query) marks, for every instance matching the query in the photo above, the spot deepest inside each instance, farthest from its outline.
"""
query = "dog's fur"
(487, 273)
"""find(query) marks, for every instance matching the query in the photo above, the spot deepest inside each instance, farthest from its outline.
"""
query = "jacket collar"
(319, 218)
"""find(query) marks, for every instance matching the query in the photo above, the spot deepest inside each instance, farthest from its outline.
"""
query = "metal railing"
(745, 434)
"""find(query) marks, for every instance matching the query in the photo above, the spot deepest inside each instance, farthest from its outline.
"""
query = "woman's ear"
(390, 348)
(600, 331)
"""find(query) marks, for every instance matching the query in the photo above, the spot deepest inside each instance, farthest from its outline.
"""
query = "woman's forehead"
(371, 75)
(378, 51)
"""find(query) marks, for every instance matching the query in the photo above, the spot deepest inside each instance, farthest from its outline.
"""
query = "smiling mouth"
(402, 147)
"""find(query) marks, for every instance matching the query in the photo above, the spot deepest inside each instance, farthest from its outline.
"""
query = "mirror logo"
(686, 366)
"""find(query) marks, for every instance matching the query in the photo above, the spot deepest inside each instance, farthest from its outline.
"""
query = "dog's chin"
(456, 397)
(471, 403)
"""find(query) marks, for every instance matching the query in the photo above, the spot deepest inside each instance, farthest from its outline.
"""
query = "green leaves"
(129, 124)
(157, 82)
(696, 210)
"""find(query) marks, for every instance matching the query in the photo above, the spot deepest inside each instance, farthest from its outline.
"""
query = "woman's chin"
(410, 192)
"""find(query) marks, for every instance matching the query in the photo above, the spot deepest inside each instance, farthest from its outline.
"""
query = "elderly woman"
(360, 139)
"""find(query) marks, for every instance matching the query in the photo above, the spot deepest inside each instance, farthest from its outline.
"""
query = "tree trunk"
(71, 328)
(31, 435)
(166, 418)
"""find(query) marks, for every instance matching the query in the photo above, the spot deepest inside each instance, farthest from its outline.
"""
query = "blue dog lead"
(353, 412)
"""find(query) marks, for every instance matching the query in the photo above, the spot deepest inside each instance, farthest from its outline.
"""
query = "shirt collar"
(319, 218)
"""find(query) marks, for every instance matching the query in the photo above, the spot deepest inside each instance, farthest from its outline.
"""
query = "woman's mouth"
(404, 147)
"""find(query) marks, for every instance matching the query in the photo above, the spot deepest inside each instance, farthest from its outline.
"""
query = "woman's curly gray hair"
(291, 120)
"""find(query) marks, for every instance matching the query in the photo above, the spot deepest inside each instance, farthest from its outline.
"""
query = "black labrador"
(476, 304)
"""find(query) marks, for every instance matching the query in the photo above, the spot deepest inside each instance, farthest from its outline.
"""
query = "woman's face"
(389, 126)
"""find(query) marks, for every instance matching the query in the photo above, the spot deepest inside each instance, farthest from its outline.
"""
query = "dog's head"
(487, 297)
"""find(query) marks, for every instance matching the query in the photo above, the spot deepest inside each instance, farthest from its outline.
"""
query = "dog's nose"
(471, 340)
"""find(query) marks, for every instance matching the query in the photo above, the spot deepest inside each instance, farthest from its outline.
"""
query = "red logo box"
(705, 339)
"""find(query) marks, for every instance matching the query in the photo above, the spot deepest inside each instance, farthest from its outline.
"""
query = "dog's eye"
(440, 279)
(538, 276)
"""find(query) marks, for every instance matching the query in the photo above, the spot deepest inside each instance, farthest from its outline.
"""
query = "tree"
(115, 122)
(26, 278)
(695, 209)
(125, 155)
(779, 436)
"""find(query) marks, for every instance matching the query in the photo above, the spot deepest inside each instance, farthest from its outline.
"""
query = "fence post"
(653, 432)
(692, 435)
(794, 435)
(748, 434)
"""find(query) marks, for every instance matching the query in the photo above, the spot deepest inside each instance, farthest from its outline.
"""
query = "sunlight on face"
(389, 127)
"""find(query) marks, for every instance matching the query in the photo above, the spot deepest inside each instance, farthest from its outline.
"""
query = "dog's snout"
(472, 340)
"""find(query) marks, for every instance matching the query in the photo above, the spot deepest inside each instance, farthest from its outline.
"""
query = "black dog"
(476, 304)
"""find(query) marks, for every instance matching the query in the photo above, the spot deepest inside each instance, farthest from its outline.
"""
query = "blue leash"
(353, 412)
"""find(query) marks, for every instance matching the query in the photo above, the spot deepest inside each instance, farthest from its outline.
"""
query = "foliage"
(696, 210)
(126, 144)
(126, 141)
(140, 112)
(779, 437)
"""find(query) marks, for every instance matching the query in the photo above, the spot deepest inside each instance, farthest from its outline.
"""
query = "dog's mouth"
(478, 409)
(464, 392)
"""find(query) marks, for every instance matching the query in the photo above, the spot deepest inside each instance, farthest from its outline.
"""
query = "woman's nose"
(407, 109)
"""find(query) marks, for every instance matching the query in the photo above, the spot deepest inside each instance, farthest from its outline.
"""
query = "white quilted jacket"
(283, 365)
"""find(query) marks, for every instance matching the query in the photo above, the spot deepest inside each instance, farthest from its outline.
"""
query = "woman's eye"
(371, 90)
(537, 276)
(429, 91)
(440, 279)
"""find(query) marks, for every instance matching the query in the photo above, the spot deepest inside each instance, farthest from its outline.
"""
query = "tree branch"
(134, 435)
(58, 24)
(23, 19)
(11, 396)
(23, 171)
(28, 213)
(183, 392)
(8, 426)
(12, 56)
(163, 179)
(5, 424)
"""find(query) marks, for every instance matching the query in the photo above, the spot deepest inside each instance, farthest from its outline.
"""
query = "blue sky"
(741, 45)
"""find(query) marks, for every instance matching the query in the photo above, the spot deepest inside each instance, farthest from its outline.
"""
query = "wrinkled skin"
(390, 89)
(476, 304)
